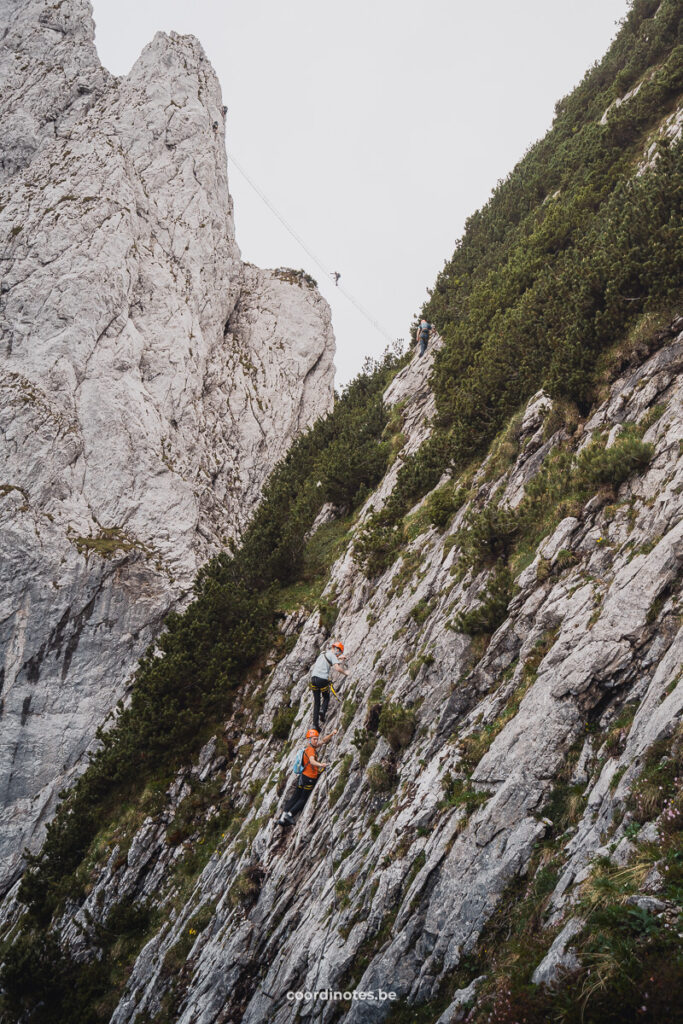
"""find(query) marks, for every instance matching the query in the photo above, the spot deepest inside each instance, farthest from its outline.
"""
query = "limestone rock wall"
(49, 74)
(280, 381)
(149, 380)
(390, 888)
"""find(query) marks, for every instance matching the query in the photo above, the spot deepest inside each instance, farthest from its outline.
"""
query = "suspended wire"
(368, 316)
(318, 262)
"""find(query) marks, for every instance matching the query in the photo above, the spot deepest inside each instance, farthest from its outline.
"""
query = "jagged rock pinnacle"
(150, 380)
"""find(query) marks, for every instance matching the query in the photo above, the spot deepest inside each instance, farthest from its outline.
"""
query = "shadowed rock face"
(150, 380)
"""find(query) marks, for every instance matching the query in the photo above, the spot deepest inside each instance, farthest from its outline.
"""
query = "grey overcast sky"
(375, 127)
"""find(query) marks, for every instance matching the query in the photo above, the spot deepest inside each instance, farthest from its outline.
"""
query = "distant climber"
(320, 679)
(336, 275)
(308, 769)
(423, 334)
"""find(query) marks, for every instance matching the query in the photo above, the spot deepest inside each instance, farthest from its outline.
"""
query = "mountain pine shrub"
(396, 725)
(598, 465)
(490, 613)
(569, 252)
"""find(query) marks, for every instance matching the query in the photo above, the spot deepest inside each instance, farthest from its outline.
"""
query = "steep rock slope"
(281, 382)
(504, 808)
(455, 759)
(150, 381)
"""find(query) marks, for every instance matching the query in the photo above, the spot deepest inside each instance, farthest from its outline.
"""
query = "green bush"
(190, 814)
(381, 778)
(396, 725)
(378, 542)
(421, 611)
(565, 559)
(282, 723)
(377, 691)
(126, 919)
(560, 488)
(417, 663)
(536, 288)
(365, 744)
(44, 986)
(348, 712)
(460, 793)
(329, 613)
(443, 503)
(487, 536)
(246, 888)
(380, 539)
(487, 616)
(598, 465)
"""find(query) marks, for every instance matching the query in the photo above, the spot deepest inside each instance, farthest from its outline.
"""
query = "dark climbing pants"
(320, 686)
(304, 788)
(423, 345)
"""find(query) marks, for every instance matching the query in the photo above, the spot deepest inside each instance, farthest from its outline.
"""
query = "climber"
(320, 679)
(422, 334)
(336, 275)
(307, 777)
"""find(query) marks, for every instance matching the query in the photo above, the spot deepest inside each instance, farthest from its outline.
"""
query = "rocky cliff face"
(150, 380)
(463, 771)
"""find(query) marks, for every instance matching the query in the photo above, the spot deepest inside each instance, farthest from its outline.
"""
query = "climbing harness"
(323, 689)
(320, 689)
(297, 238)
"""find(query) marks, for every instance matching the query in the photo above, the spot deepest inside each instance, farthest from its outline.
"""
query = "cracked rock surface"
(399, 882)
(150, 380)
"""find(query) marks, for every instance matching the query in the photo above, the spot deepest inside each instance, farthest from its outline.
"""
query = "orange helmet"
(312, 734)
(339, 645)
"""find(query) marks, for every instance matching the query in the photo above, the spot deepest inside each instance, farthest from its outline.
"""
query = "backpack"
(424, 331)
(299, 765)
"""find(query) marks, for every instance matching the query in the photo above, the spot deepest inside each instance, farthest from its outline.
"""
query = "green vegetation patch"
(381, 777)
(490, 613)
(298, 277)
(108, 542)
(538, 291)
(343, 772)
(245, 890)
(459, 792)
(396, 725)
(365, 744)
(658, 790)
(61, 989)
(282, 722)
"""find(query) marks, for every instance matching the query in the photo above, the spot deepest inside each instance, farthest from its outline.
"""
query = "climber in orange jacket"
(307, 768)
